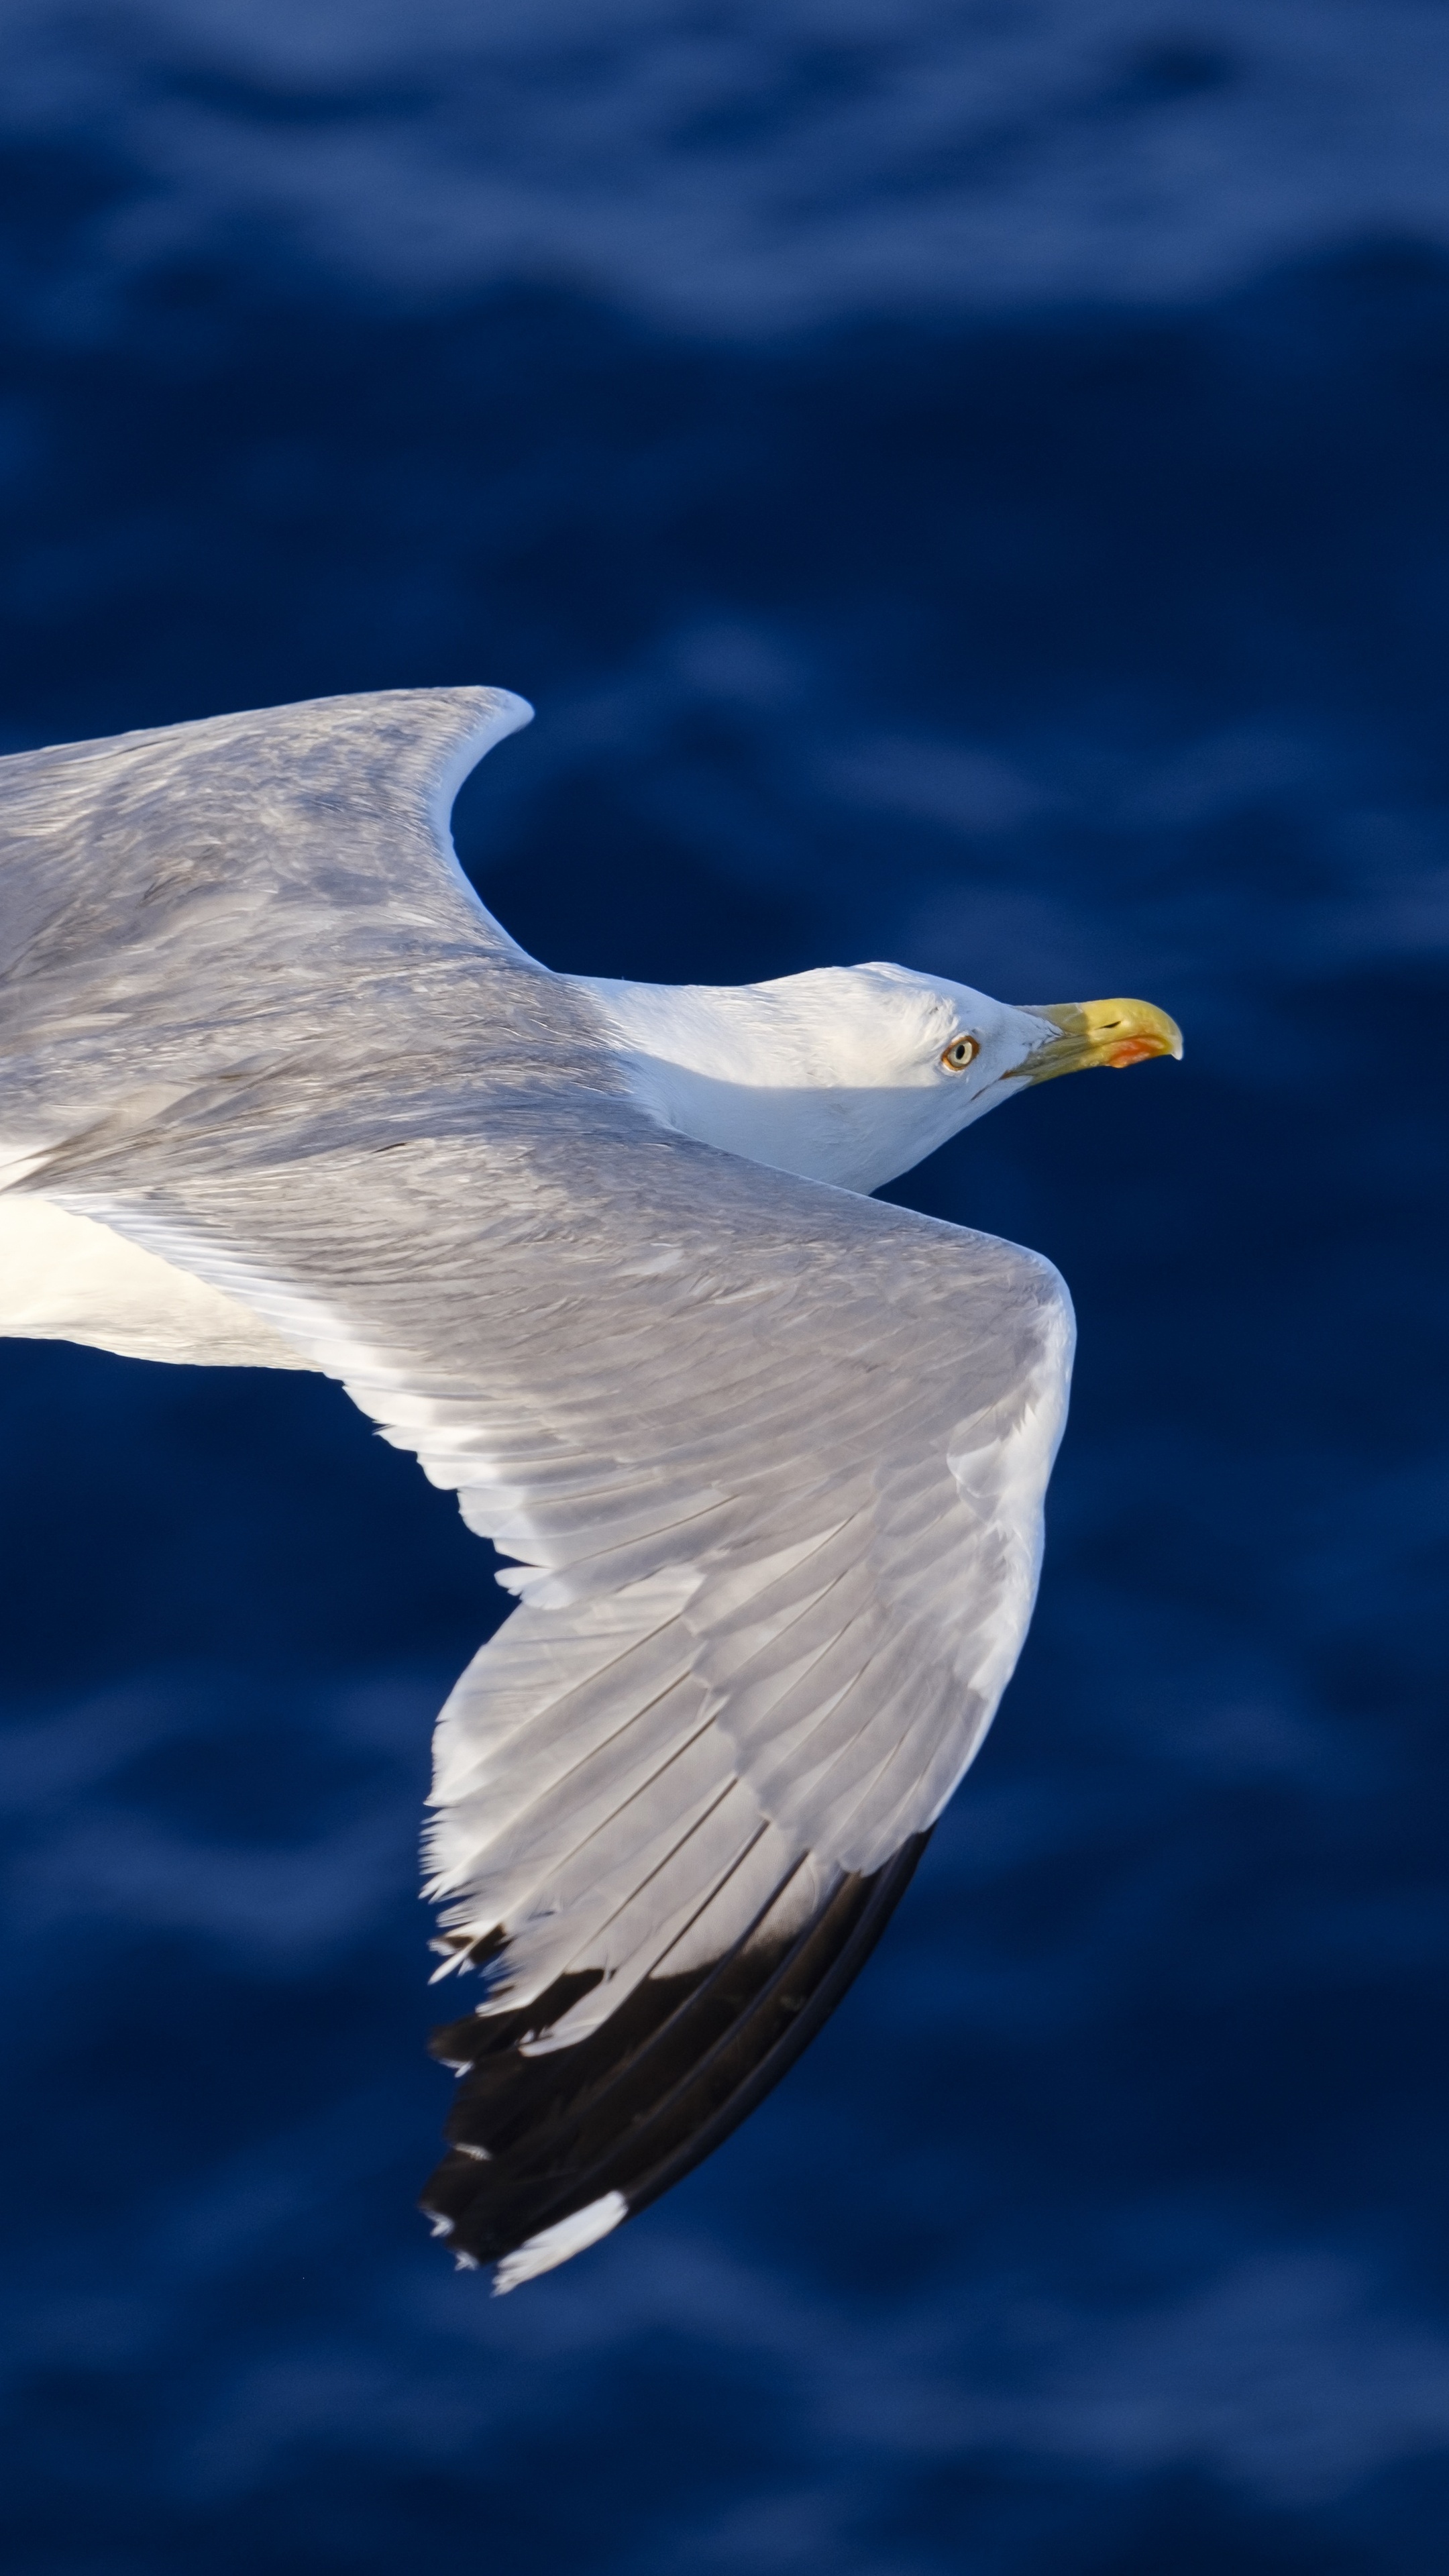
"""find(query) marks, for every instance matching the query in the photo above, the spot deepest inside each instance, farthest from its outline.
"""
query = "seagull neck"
(752, 1070)
(731, 1032)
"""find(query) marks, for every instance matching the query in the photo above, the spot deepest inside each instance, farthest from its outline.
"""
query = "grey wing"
(206, 904)
(771, 1458)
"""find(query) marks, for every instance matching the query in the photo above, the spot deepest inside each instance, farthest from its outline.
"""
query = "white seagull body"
(770, 1456)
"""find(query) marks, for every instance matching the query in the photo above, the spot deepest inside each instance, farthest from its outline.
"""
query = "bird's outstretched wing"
(215, 902)
(339, 803)
(771, 1459)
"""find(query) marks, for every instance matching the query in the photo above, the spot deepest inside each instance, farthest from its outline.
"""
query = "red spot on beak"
(1133, 1051)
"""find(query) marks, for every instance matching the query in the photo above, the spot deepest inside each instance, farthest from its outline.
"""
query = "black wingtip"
(541, 2141)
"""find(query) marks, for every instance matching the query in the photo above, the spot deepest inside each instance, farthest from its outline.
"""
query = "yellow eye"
(959, 1054)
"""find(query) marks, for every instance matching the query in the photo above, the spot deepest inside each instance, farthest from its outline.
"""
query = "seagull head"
(852, 1074)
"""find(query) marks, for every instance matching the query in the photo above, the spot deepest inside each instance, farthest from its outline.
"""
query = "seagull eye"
(959, 1054)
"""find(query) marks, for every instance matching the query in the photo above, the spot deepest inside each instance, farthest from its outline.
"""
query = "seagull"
(765, 1456)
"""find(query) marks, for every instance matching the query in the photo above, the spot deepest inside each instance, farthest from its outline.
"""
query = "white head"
(851, 1074)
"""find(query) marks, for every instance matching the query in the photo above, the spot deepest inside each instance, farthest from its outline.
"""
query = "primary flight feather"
(769, 1455)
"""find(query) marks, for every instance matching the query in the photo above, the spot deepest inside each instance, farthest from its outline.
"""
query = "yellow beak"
(1116, 1033)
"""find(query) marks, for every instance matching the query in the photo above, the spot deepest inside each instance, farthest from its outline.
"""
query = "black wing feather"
(638, 2103)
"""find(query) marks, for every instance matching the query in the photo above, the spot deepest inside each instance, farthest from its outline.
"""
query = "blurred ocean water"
(756, 167)
(963, 485)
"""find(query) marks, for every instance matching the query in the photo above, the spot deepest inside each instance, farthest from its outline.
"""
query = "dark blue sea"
(964, 482)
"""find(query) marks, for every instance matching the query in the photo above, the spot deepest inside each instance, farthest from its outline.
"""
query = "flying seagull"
(768, 1456)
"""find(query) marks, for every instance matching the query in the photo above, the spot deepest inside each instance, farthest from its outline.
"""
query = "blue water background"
(964, 485)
